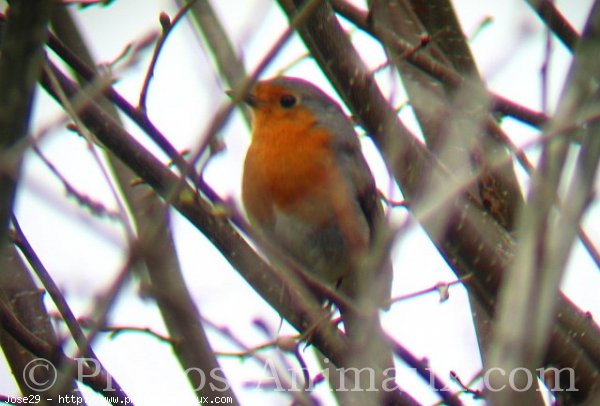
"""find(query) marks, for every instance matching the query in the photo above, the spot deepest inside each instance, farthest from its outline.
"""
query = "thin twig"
(477, 394)
(167, 27)
(441, 288)
(545, 69)
(87, 3)
(117, 330)
(425, 372)
(95, 207)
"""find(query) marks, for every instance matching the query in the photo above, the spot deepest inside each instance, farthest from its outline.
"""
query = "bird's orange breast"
(289, 163)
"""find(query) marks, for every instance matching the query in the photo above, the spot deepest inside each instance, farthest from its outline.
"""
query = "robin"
(307, 189)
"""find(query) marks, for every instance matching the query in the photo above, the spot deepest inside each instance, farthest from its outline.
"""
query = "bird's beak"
(250, 99)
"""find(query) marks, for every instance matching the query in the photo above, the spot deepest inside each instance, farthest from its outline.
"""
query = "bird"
(307, 189)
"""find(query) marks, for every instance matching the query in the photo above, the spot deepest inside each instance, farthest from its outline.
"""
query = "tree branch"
(472, 243)
(554, 20)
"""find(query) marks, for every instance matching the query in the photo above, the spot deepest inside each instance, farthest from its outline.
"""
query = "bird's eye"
(287, 101)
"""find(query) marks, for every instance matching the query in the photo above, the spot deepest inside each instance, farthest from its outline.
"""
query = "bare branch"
(556, 22)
